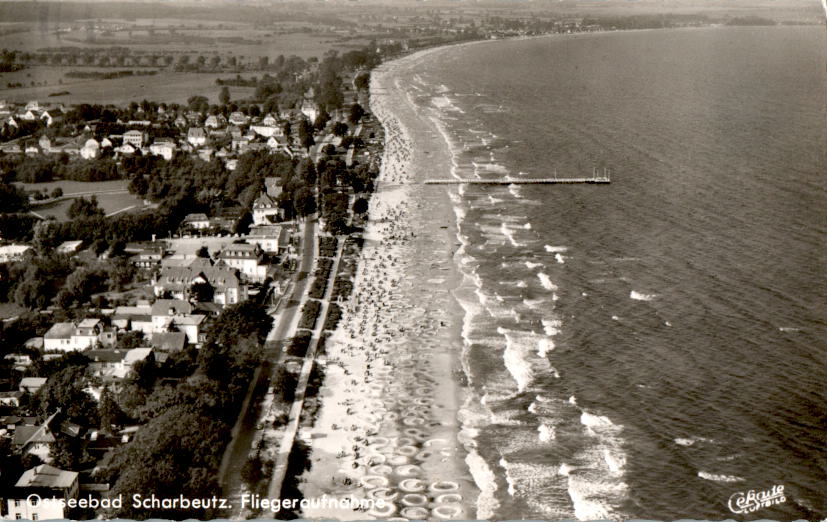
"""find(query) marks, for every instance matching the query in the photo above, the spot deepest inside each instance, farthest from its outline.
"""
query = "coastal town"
(232, 276)
(202, 291)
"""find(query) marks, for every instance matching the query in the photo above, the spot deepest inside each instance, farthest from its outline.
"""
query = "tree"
(360, 206)
(203, 252)
(242, 226)
(224, 95)
(356, 113)
(251, 472)
(109, 412)
(304, 202)
(144, 373)
(57, 192)
(362, 81)
(340, 128)
(321, 119)
(306, 134)
(83, 208)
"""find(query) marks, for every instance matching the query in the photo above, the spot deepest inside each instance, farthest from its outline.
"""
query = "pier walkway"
(524, 181)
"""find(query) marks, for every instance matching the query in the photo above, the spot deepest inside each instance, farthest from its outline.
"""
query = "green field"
(72, 187)
(169, 87)
(108, 202)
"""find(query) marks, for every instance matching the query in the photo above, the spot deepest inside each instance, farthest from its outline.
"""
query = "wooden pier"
(524, 181)
(595, 178)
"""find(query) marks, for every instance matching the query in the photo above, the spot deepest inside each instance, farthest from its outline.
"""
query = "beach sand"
(387, 427)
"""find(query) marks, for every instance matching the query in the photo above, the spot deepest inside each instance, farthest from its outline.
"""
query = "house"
(135, 318)
(310, 110)
(33, 105)
(215, 121)
(267, 131)
(46, 482)
(31, 384)
(126, 148)
(86, 333)
(163, 148)
(69, 247)
(91, 149)
(247, 258)
(148, 257)
(69, 337)
(59, 337)
(10, 398)
(269, 237)
(222, 281)
(197, 221)
(238, 118)
(206, 154)
(279, 144)
(235, 132)
(265, 210)
(47, 118)
(270, 121)
(115, 364)
(135, 138)
(169, 342)
(196, 136)
(29, 115)
(240, 145)
(166, 311)
(37, 440)
(11, 253)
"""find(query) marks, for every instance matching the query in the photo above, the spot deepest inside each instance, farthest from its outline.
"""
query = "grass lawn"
(72, 187)
(108, 202)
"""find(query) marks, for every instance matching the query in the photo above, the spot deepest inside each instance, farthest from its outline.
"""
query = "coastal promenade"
(286, 446)
(285, 320)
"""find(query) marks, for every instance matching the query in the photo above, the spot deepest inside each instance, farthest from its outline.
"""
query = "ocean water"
(651, 347)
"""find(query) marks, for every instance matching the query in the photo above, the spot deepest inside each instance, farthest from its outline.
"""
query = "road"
(291, 429)
(285, 316)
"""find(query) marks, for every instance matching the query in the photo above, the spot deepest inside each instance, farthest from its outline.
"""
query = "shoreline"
(354, 439)
(388, 425)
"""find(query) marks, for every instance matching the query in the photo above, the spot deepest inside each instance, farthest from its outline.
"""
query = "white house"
(263, 208)
(135, 138)
(10, 253)
(197, 221)
(164, 149)
(310, 110)
(91, 149)
(47, 482)
(196, 136)
(246, 258)
(69, 337)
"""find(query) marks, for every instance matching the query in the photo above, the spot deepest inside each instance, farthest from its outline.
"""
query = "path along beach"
(387, 427)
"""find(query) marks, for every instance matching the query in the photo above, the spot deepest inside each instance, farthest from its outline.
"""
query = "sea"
(655, 347)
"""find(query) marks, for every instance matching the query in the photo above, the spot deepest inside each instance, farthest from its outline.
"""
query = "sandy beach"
(387, 428)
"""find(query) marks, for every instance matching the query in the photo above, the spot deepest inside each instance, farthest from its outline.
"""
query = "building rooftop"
(46, 476)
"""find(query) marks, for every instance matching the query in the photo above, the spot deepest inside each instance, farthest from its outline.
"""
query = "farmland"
(166, 86)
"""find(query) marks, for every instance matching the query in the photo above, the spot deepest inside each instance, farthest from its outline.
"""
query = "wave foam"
(546, 433)
(640, 296)
(556, 249)
(546, 281)
(719, 477)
